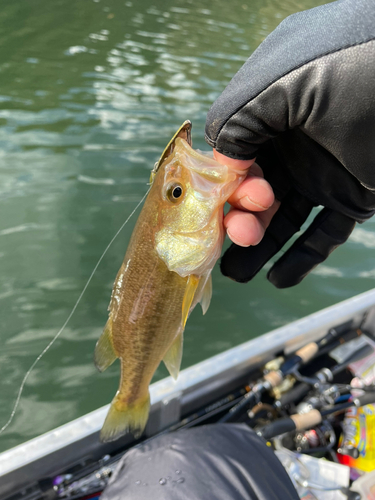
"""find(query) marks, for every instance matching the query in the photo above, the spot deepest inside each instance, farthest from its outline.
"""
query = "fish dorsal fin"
(206, 295)
(191, 287)
(105, 354)
(173, 356)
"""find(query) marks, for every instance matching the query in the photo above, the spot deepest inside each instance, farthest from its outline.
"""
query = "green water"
(90, 93)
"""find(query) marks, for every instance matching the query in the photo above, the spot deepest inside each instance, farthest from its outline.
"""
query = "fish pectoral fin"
(173, 356)
(191, 287)
(104, 354)
(206, 295)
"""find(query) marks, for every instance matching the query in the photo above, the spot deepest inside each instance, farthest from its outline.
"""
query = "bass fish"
(165, 273)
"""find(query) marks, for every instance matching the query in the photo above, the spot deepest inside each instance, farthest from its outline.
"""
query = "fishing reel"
(320, 439)
(324, 395)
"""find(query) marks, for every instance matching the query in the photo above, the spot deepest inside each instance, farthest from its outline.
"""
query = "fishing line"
(68, 318)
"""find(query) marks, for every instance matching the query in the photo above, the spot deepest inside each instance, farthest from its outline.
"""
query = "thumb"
(231, 162)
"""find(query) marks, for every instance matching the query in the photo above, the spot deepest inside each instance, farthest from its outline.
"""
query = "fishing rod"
(323, 376)
(291, 365)
(312, 418)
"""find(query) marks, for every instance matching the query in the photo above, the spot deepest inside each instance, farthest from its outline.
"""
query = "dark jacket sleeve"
(211, 462)
(313, 76)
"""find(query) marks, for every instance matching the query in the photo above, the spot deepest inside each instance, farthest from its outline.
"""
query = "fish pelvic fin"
(173, 356)
(205, 300)
(191, 287)
(104, 354)
(125, 417)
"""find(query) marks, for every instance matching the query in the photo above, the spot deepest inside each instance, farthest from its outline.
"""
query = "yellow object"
(165, 273)
(359, 431)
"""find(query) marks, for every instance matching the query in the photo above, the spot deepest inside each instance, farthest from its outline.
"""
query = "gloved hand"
(304, 106)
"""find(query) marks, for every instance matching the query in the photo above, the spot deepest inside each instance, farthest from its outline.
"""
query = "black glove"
(304, 105)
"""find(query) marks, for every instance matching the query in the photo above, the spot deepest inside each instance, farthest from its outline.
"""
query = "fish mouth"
(184, 132)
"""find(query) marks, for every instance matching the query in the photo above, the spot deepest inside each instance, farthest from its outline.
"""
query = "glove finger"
(274, 170)
(328, 230)
(243, 263)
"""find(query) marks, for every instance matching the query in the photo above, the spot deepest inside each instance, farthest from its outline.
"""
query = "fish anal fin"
(205, 299)
(123, 418)
(191, 287)
(104, 354)
(173, 356)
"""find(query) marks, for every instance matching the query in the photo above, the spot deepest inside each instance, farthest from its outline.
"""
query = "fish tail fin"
(123, 418)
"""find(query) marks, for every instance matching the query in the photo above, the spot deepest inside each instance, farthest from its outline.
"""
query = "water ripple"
(92, 180)
(25, 227)
(363, 237)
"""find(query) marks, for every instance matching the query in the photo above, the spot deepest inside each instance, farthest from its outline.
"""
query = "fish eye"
(174, 191)
(177, 192)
